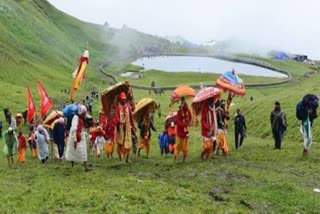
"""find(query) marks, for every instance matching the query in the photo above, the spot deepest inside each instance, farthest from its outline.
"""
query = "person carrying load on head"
(124, 122)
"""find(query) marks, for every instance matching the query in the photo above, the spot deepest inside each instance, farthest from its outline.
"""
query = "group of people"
(306, 112)
(214, 127)
(118, 129)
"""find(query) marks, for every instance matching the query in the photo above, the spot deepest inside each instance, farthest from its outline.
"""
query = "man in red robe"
(208, 128)
(183, 120)
(124, 123)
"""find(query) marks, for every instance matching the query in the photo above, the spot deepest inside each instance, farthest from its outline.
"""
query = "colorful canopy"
(232, 83)
(144, 105)
(203, 95)
(54, 115)
(110, 95)
(182, 91)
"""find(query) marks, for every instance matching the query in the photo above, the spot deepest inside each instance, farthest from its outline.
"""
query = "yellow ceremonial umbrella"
(145, 105)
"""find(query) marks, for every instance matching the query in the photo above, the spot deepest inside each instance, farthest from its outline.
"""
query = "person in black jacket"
(278, 122)
(58, 134)
(239, 128)
(145, 133)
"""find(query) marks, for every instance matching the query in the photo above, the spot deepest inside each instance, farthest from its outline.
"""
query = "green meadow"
(40, 42)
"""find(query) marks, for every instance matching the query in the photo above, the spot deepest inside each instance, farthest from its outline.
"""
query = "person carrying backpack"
(278, 122)
(306, 112)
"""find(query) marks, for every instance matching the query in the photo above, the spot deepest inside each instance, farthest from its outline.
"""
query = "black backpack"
(301, 111)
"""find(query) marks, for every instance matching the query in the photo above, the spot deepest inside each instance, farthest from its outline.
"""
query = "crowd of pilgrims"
(119, 133)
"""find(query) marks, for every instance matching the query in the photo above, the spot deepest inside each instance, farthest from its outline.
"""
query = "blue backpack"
(70, 110)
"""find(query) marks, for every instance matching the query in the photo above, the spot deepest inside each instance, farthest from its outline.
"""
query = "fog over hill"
(257, 25)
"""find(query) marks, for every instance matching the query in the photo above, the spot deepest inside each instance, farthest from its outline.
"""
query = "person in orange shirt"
(172, 136)
(22, 147)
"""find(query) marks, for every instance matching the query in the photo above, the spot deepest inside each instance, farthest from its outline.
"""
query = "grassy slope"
(38, 39)
(255, 179)
(246, 181)
(295, 68)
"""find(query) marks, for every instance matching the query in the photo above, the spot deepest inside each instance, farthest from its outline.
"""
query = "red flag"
(45, 103)
(30, 106)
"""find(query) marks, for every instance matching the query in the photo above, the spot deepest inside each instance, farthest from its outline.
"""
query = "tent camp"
(280, 55)
(300, 58)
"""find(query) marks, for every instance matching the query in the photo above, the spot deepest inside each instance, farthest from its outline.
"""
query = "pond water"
(202, 64)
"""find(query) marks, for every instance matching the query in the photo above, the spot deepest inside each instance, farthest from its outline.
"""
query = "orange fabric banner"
(45, 102)
(79, 73)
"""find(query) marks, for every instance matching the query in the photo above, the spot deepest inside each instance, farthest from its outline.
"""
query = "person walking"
(42, 139)
(109, 130)
(22, 147)
(99, 142)
(10, 145)
(240, 128)
(164, 142)
(145, 133)
(183, 119)
(278, 122)
(306, 112)
(222, 123)
(208, 128)
(124, 122)
(32, 142)
(58, 134)
(77, 146)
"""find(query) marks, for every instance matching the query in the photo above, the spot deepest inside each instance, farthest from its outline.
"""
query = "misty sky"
(290, 25)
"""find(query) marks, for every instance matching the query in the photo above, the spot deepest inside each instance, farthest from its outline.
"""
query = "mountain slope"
(37, 41)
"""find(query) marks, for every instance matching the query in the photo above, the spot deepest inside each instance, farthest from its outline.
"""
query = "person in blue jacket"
(164, 143)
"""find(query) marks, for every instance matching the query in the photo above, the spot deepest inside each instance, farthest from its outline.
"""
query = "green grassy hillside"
(37, 41)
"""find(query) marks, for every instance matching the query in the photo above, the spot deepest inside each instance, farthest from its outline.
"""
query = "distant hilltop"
(180, 40)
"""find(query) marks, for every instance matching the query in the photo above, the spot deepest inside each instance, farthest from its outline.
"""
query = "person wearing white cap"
(42, 140)
(10, 145)
(76, 150)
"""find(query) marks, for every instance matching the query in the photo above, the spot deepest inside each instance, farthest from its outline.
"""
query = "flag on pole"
(79, 74)
(45, 101)
(30, 106)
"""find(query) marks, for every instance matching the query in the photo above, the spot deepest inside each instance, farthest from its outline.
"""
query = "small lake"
(202, 64)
